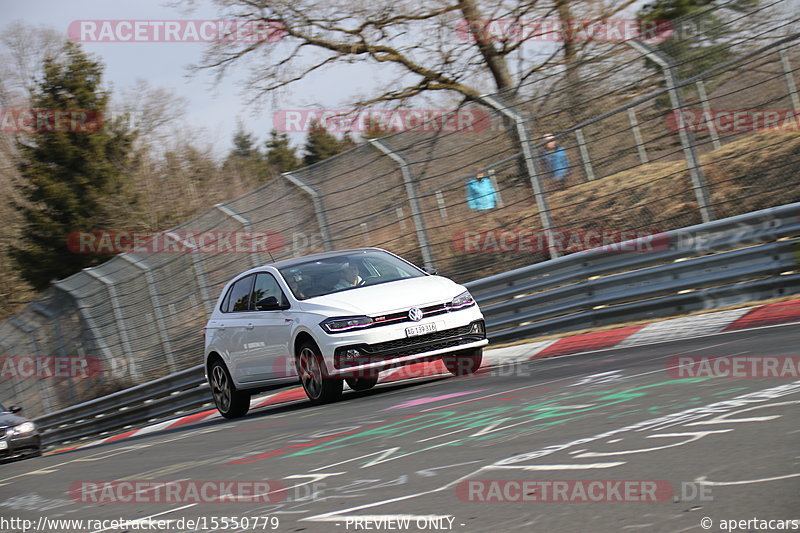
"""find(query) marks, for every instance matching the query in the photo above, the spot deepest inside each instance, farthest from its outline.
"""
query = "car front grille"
(402, 316)
(428, 311)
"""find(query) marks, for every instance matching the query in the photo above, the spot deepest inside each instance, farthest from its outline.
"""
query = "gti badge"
(415, 314)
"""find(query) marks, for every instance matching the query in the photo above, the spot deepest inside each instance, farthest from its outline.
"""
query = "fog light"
(351, 353)
(477, 327)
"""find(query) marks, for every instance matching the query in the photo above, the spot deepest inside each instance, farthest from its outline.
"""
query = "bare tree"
(157, 114)
(25, 48)
(458, 47)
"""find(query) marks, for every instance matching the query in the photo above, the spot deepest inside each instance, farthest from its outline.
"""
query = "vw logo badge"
(415, 314)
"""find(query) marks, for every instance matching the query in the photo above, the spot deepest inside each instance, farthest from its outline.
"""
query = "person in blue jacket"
(554, 161)
(480, 193)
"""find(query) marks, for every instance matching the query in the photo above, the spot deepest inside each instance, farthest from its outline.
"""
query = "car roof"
(317, 257)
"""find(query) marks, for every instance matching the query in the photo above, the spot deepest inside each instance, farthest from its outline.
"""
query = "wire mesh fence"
(644, 138)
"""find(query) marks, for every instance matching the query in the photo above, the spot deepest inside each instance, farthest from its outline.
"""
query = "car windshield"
(345, 272)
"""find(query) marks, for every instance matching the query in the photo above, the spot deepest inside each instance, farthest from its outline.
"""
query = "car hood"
(388, 297)
(9, 420)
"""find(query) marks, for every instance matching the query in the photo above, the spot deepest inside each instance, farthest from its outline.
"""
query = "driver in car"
(348, 277)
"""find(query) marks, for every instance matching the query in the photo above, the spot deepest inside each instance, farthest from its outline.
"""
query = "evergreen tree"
(73, 178)
(279, 154)
(245, 159)
(320, 144)
(347, 143)
(244, 146)
(699, 38)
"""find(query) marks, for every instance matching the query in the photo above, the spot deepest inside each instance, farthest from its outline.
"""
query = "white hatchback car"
(334, 317)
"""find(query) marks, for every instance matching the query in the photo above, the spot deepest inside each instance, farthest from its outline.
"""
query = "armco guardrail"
(743, 258)
(735, 260)
(182, 391)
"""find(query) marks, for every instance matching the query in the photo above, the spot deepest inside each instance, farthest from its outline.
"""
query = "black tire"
(320, 388)
(463, 363)
(362, 383)
(230, 402)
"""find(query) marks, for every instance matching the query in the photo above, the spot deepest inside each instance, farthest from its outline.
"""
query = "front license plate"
(422, 329)
(3, 445)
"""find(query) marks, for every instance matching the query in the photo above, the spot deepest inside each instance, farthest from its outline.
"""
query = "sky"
(216, 107)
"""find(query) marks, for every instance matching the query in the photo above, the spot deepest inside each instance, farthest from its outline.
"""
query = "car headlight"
(464, 299)
(21, 429)
(347, 323)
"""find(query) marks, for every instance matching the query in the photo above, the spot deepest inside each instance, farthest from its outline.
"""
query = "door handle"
(250, 326)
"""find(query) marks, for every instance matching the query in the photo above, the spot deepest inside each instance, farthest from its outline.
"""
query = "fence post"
(88, 321)
(637, 137)
(411, 193)
(48, 313)
(689, 152)
(10, 350)
(498, 193)
(118, 319)
(442, 206)
(712, 129)
(40, 309)
(155, 301)
(199, 271)
(319, 208)
(530, 164)
(787, 73)
(25, 328)
(587, 162)
(227, 211)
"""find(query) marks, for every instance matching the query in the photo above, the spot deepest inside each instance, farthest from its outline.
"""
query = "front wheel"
(230, 402)
(319, 387)
(463, 363)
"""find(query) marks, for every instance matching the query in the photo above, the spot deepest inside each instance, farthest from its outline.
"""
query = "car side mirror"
(431, 270)
(14, 409)
(270, 303)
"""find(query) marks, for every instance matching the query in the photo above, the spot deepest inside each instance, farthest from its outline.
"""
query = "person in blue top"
(554, 161)
(480, 193)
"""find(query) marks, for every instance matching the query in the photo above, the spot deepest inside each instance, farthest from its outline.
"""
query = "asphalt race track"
(610, 441)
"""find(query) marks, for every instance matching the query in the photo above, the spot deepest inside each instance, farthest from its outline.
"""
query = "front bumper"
(19, 446)
(389, 346)
(366, 358)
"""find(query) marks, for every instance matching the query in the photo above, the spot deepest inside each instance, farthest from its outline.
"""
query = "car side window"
(238, 298)
(266, 287)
